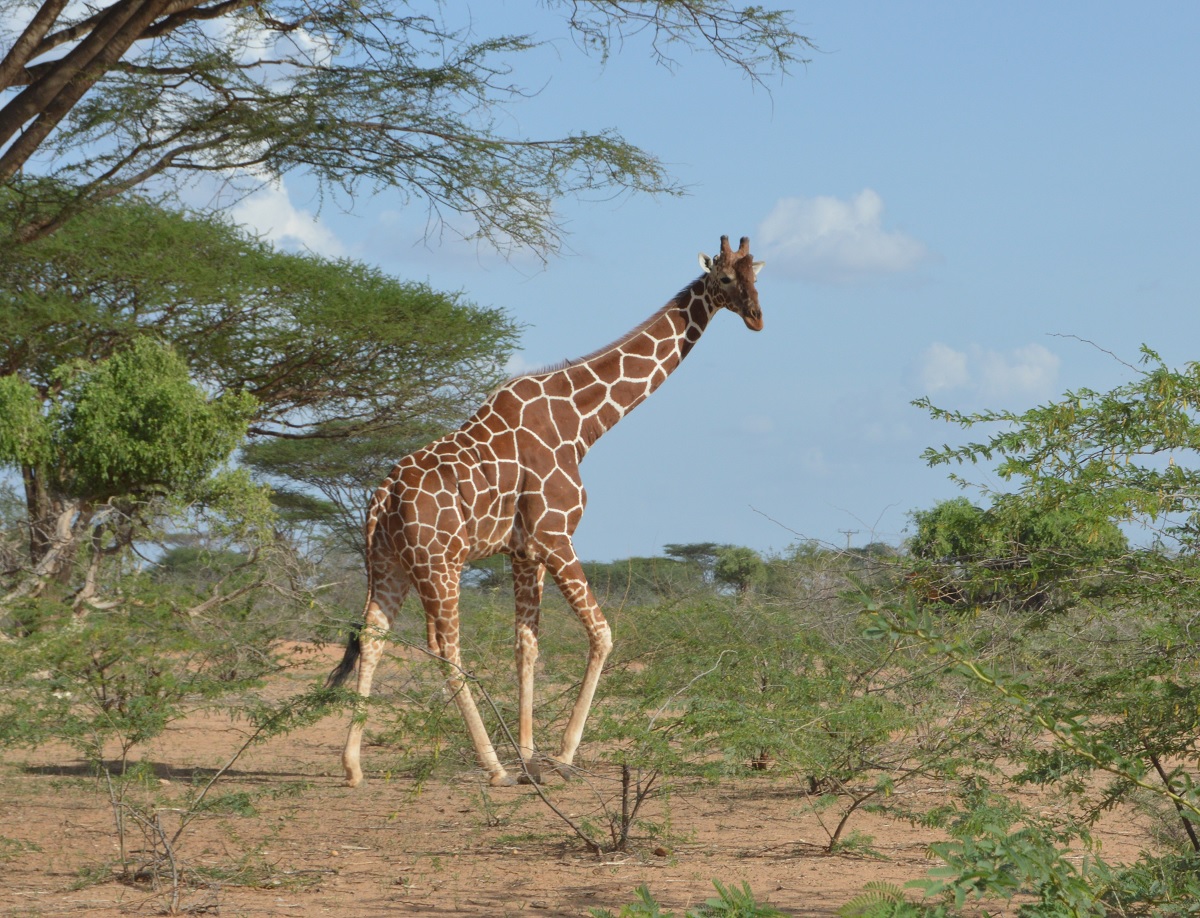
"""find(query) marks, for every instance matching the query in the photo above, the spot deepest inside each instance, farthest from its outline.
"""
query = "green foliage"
(135, 422)
(884, 900)
(12, 848)
(1165, 886)
(730, 902)
(1097, 705)
(324, 344)
(24, 433)
(734, 903)
(1019, 552)
(953, 529)
(716, 687)
(738, 567)
(1112, 721)
(139, 346)
(689, 568)
(1000, 849)
(999, 864)
(341, 364)
(235, 507)
(235, 803)
(120, 677)
(701, 554)
(641, 581)
(1119, 455)
(106, 684)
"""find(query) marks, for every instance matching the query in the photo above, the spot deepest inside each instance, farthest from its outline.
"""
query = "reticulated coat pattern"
(508, 481)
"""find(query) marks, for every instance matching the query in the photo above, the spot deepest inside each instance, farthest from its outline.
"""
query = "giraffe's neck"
(608, 384)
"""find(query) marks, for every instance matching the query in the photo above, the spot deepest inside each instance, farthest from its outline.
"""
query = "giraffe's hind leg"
(527, 587)
(439, 591)
(381, 610)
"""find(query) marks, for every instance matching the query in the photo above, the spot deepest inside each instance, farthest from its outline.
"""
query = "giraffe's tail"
(353, 645)
(349, 661)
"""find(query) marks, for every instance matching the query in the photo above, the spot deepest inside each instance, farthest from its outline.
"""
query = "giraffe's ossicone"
(508, 481)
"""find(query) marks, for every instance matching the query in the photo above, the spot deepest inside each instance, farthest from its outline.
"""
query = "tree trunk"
(54, 526)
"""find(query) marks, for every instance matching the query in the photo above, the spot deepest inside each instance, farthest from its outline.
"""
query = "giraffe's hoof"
(502, 779)
(532, 774)
(564, 770)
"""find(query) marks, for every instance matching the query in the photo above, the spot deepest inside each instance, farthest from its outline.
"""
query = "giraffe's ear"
(757, 266)
(706, 262)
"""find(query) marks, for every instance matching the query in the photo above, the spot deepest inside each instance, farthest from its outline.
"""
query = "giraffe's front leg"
(527, 587)
(569, 577)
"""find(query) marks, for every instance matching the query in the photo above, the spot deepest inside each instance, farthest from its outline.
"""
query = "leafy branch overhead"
(139, 347)
(362, 96)
(1128, 453)
(326, 348)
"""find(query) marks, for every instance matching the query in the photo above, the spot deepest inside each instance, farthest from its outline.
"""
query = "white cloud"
(1024, 372)
(828, 239)
(252, 43)
(270, 213)
(519, 365)
(943, 368)
(756, 424)
(811, 460)
(1028, 370)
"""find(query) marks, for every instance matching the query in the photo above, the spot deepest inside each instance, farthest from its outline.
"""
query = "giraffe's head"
(729, 281)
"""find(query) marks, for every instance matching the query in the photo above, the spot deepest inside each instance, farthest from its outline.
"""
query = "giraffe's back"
(453, 500)
(487, 487)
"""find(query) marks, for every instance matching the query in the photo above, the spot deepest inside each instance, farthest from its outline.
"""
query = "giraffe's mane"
(676, 300)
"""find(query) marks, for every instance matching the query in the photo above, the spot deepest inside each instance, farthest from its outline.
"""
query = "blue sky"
(948, 197)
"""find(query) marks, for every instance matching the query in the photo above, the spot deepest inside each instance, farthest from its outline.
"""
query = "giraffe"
(507, 481)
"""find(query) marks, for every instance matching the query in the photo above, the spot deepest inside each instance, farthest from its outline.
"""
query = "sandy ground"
(442, 847)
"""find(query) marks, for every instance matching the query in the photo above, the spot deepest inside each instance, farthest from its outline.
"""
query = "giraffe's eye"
(726, 280)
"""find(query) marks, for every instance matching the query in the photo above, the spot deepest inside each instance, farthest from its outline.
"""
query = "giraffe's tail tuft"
(349, 661)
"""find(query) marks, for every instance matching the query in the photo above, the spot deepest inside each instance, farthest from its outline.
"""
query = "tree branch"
(26, 46)
(53, 96)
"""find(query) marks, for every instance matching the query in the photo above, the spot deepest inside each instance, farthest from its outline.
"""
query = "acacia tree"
(702, 555)
(120, 439)
(379, 93)
(1027, 554)
(1128, 453)
(1103, 705)
(738, 567)
(320, 351)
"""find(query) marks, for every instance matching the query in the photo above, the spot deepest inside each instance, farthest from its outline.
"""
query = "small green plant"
(734, 903)
(13, 848)
(999, 861)
(236, 803)
(729, 902)
(644, 906)
(115, 680)
(886, 900)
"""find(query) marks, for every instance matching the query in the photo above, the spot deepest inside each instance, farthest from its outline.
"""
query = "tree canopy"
(1018, 550)
(326, 348)
(122, 440)
(1126, 455)
(1081, 467)
(362, 96)
(139, 347)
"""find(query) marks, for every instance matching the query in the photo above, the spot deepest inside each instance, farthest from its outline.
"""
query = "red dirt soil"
(392, 847)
